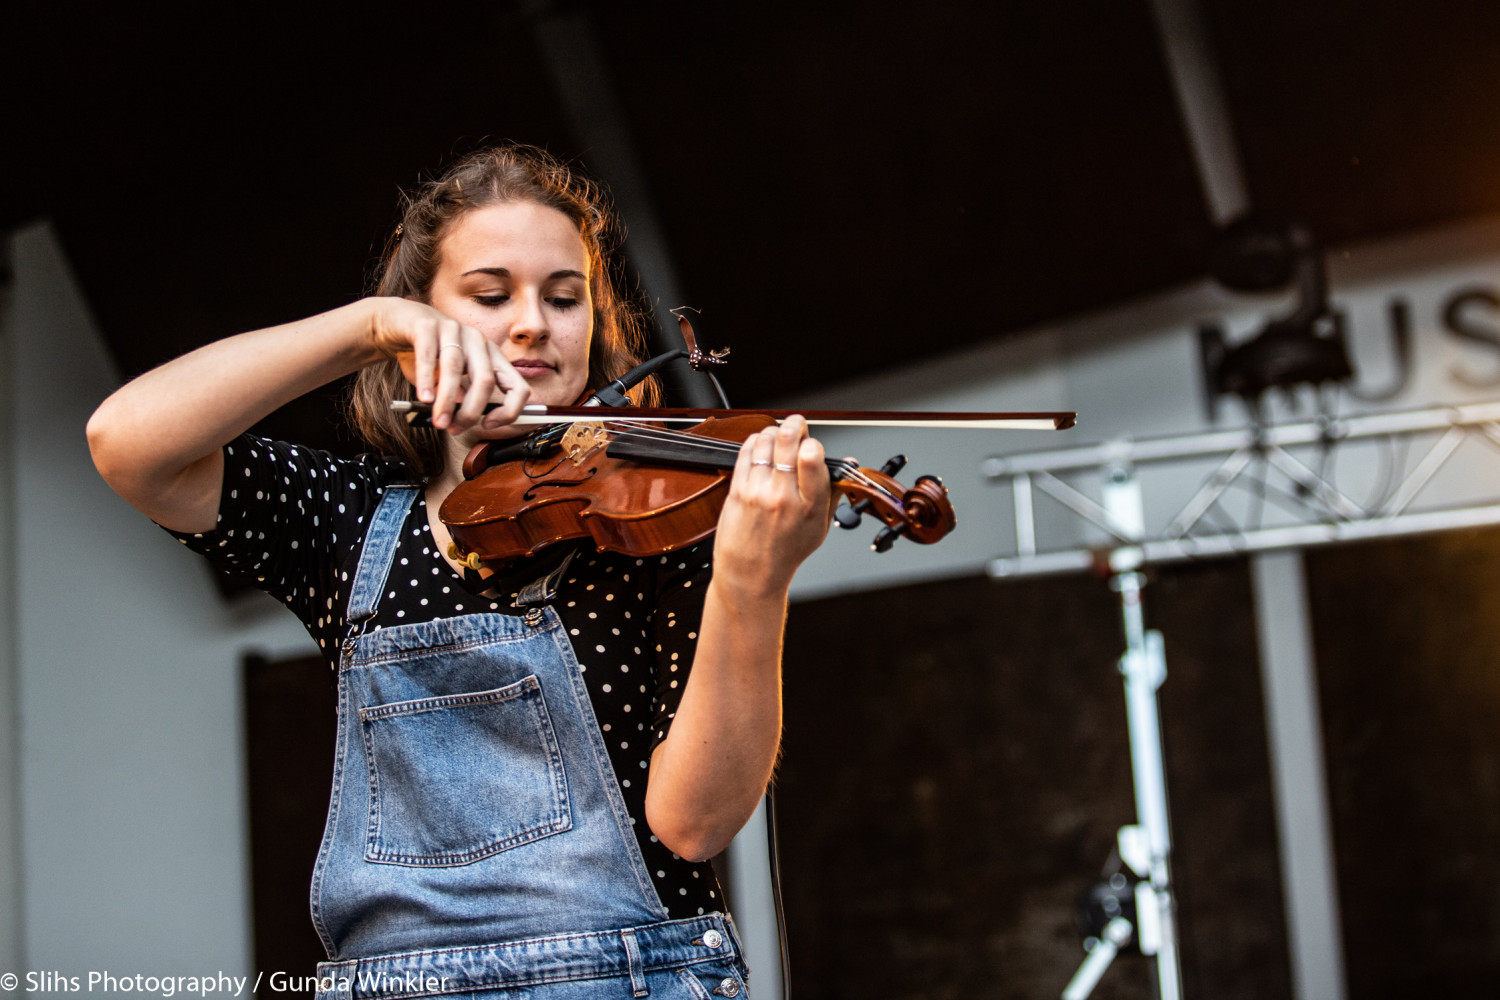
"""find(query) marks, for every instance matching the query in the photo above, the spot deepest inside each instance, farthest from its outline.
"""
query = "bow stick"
(419, 414)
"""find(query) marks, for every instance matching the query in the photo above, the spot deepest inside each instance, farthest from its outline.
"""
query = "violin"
(644, 490)
(618, 476)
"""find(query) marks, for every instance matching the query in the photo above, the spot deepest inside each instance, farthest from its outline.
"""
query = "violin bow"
(419, 414)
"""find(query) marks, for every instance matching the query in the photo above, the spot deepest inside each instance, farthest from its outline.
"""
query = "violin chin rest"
(477, 460)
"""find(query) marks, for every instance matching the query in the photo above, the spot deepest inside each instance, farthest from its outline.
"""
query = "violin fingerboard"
(674, 451)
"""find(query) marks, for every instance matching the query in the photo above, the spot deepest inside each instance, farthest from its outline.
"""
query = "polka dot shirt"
(292, 520)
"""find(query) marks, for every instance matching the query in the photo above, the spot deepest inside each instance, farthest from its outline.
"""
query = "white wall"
(132, 827)
(11, 902)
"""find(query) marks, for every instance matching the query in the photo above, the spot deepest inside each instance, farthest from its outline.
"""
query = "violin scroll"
(922, 513)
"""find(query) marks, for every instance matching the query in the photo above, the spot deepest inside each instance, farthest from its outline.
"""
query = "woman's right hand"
(451, 365)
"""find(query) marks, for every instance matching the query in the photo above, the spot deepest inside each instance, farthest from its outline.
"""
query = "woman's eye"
(563, 301)
(491, 300)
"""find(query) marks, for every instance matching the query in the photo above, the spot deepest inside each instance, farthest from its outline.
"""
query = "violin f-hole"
(531, 493)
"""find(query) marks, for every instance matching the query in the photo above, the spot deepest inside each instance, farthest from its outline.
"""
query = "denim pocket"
(456, 778)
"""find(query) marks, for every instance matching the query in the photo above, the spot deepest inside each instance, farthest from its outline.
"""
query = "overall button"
(728, 988)
(534, 617)
(712, 939)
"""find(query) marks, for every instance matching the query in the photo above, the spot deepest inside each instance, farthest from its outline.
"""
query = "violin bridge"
(583, 439)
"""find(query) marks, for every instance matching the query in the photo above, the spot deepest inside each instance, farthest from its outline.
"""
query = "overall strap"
(542, 590)
(378, 552)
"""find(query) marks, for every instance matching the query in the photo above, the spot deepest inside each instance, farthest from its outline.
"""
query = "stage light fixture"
(1263, 253)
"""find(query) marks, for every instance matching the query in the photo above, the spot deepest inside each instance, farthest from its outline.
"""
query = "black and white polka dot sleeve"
(290, 519)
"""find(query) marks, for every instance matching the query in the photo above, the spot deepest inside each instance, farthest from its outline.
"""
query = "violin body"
(518, 508)
(644, 491)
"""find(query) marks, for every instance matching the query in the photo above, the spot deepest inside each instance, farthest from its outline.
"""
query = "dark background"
(842, 187)
(845, 188)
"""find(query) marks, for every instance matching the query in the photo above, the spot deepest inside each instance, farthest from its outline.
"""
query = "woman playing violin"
(533, 765)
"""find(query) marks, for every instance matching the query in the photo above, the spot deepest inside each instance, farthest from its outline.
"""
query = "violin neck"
(681, 450)
(690, 452)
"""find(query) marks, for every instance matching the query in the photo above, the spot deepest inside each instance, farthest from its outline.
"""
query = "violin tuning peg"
(886, 539)
(847, 515)
(893, 465)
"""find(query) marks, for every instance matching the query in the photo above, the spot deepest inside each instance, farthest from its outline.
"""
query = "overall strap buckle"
(536, 595)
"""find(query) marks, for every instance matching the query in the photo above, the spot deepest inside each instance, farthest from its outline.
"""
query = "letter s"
(1460, 326)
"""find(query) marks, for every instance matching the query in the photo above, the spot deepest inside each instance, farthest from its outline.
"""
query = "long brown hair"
(505, 173)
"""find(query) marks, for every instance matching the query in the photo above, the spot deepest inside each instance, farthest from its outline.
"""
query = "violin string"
(848, 469)
(843, 467)
(840, 465)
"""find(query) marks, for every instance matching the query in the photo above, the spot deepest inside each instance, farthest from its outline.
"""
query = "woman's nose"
(529, 323)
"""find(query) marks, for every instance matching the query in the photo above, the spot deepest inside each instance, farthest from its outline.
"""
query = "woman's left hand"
(779, 508)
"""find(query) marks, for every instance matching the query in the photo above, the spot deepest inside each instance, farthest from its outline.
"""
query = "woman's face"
(518, 272)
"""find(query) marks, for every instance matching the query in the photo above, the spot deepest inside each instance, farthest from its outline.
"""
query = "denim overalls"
(476, 837)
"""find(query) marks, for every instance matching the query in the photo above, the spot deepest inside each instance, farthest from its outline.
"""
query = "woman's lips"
(531, 369)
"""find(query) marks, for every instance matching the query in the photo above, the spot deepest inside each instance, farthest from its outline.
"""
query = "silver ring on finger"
(785, 468)
(451, 343)
(760, 461)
